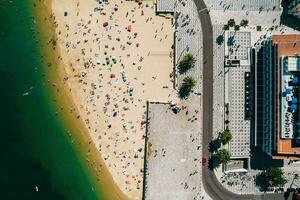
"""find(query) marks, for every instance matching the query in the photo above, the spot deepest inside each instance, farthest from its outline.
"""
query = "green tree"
(225, 136)
(231, 22)
(188, 84)
(187, 62)
(236, 27)
(244, 23)
(275, 177)
(214, 145)
(258, 28)
(223, 156)
(226, 27)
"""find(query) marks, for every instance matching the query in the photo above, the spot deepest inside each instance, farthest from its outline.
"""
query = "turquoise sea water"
(34, 147)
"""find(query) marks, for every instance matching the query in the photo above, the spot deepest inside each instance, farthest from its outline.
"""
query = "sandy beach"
(114, 57)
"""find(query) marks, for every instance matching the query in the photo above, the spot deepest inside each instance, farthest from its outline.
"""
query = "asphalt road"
(211, 185)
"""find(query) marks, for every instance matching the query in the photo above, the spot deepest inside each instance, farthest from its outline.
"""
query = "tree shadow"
(287, 19)
(184, 92)
(182, 70)
(286, 195)
(214, 145)
(260, 160)
(231, 41)
(261, 182)
(213, 162)
(220, 39)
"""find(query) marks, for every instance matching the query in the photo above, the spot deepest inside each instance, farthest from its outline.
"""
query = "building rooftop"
(237, 47)
(293, 63)
(288, 48)
(289, 97)
(238, 43)
(239, 125)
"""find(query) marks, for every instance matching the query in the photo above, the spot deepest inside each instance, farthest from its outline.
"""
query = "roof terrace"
(288, 51)
(289, 96)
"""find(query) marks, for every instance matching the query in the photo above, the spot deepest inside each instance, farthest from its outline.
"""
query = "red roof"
(288, 45)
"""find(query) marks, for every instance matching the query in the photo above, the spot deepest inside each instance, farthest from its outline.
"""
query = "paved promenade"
(218, 62)
(252, 10)
(238, 5)
(188, 37)
(246, 184)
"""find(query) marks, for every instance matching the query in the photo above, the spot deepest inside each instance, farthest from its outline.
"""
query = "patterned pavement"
(188, 37)
(218, 63)
(249, 5)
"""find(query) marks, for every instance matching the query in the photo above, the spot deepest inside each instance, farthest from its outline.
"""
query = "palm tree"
(225, 136)
(275, 177)
(188, 61)
(244, 22)
(223, 156)
(189, 82)
(236, 27)
(186, 87)
(231, 22)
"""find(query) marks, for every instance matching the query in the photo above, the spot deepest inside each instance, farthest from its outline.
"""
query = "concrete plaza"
(173, 156)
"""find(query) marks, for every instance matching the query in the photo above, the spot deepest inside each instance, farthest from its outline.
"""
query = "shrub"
(275, 177)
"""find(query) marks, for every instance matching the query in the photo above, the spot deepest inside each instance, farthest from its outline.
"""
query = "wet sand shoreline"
(67, 111)
(106, 91)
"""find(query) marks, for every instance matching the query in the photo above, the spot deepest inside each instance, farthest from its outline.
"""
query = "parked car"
(204, 162)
